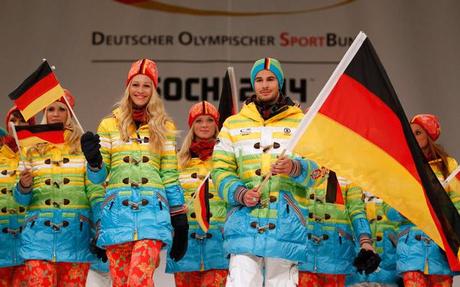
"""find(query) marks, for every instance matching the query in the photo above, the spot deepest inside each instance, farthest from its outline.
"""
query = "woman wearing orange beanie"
(204, 263)
(421, 262)
(144, 202)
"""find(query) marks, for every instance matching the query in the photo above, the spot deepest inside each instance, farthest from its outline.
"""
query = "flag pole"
(268, 175)
(231, 75)
(450, 177)
(70, 108)
(73, 114)
(15, 136)
(326, 90)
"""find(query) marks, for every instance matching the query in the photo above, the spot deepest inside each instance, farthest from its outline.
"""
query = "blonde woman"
(204, 263)
(55, 242)
(144, 201)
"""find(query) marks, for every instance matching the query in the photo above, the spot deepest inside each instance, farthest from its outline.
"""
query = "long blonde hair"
(184, 155)
(157, 119)
(437, 155)
(72, 137)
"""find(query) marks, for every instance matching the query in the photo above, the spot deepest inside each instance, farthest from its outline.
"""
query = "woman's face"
(56, 113)
(204, 127)
(140, 90)
(17, 119)
(420, 134)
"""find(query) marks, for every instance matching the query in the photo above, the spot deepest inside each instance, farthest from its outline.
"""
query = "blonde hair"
(184, 155)
(156, 114)
(72, 138)
(437, 155)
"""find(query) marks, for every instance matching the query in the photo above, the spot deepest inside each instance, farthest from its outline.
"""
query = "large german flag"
(358, 128)
(37, 91)
(30, 135)
(201, 204)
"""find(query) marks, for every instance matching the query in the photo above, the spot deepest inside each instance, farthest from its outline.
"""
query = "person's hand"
(367, 246)
(90, 145)
(180, 238)
(366, 261)
(99, 252)
(26, 179)
(251, 197)
(282, 166)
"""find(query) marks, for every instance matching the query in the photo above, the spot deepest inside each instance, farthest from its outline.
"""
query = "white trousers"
(98, 279)
(254, 271)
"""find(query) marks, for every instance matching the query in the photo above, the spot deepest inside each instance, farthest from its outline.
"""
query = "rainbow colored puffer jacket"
(205, 249)
(248, 146)
(142, 184)
(61, 208)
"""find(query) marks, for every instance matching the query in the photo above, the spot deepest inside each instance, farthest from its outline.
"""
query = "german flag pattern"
(361, 132)
(227, 104)
(37, 91)
(31, 135)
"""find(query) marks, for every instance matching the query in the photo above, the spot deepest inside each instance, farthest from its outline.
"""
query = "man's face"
(266, 86)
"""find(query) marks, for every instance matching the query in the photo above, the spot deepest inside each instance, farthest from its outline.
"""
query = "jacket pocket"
(345, 249)
(236, 222)
(291, 225)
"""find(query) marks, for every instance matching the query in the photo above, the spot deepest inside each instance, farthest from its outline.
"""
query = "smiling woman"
(204, 263)
(60, 204)
(144, 202)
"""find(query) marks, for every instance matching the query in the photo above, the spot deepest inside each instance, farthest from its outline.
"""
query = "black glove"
(90, 147)
(367, 261)
(99, 252)
(180, 239)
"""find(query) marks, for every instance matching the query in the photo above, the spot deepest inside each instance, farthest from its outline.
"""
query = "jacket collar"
(250, 111)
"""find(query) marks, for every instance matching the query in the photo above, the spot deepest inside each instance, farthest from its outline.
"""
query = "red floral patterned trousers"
(14, 276)
(133, 263)
(418, 279)
(43, 273)
(209, 278)
(308, 279)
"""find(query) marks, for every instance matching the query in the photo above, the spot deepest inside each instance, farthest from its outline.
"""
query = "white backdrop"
(92, 43)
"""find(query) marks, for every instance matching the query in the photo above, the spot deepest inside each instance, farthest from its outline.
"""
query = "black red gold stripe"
(36, 92)
(362, 133)
(29, 135)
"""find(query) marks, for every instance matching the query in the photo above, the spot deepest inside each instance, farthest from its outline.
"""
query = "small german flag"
(37, 91)
(31, 135)
(228, 102)
(333, 190)
(358, 128)
(201, 205)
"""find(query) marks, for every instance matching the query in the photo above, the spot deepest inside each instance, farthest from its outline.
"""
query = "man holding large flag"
(359, 107)
(265, 227)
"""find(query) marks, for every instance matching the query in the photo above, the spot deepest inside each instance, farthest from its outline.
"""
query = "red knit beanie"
(430, 123)
(144, 67)
(202, 108)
